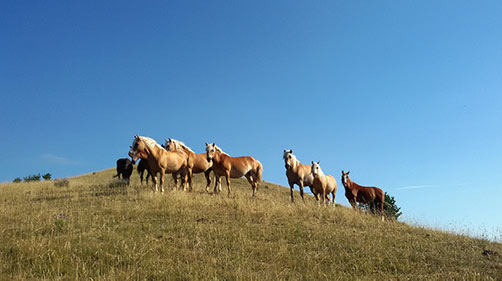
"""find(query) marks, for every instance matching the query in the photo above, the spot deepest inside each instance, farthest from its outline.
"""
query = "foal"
(323, 184)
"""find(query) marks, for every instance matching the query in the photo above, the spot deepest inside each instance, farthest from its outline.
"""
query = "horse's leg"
(190, 178)
(175, 178)
(227, 178)
(154, 181)
(324, 196)
(291, 189)
(216, 183)
(162, 171)
(252, 183)
(333, 198)
(301, 190)
(207, 173)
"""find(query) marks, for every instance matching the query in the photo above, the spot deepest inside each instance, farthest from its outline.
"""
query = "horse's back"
(331, 183)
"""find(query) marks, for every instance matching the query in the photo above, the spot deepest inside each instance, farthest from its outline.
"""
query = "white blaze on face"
(289, 158)
(316, 169)
(344, 177)
(210, 151)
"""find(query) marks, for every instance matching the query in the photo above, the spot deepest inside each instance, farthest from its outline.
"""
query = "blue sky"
(404, 94)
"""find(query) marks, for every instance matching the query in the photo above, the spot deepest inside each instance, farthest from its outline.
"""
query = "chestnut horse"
(362, 194)
(198, 161)
(159, 160)
(297, 173)
(323, 184)
(233, 167)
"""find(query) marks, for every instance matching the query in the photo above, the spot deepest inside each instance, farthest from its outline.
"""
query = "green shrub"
(16, 180)
(47, 176)
(32, 178)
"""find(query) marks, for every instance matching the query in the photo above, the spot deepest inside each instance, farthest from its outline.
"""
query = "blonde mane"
(150, 142)
(295, 160)
(217, 148)
(181, 144)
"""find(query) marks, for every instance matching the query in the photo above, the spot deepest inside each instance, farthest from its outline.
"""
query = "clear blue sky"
(407, 95)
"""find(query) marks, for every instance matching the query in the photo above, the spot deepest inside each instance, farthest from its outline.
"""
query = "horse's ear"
(284, 150)
(312, 162)
(348, 172)
(291, 151)
(318, 162)
(206, 143)
(214, 144)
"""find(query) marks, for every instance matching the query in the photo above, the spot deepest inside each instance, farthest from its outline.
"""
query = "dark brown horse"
(362, 194)
(142, 166)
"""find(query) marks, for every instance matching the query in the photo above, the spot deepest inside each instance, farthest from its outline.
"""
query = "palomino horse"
(297, 173)
(323, 184)
(362, 194)
(159, 160)
(198, 161)
(233, 167)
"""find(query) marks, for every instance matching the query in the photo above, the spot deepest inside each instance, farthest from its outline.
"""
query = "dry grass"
(98, 230)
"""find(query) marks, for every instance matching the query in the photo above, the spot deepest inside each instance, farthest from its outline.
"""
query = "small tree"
(17, 180)
(392, 211)
(47, 176)
(32, 178)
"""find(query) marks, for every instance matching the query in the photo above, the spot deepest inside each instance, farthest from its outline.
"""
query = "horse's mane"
(184, 146)
(296, 161)
(321, 172)
(217, 148)
(151, 142)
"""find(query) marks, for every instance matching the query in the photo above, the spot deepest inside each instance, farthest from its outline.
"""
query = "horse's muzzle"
(208, 159)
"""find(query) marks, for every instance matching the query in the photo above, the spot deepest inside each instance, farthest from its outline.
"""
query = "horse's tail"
(259, 171)
(381, 200)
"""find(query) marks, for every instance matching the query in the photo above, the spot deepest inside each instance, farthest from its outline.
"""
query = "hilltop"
(98, 229)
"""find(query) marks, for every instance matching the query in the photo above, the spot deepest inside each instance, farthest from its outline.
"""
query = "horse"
(142, 166)
(159, 160)
(297, 173)
(362, 194)
(197, 160)
(233, 167)
(323, 184)
(124, 168)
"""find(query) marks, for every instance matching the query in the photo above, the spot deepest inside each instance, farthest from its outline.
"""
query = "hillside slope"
(97, 229)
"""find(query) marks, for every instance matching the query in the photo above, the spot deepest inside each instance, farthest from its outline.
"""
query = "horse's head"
(169, 145)
(137, 149)
(289, 159)
(210, 151)
(345, 177)
(316, 168)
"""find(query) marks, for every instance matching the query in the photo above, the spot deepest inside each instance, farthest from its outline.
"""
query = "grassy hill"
(96, 229)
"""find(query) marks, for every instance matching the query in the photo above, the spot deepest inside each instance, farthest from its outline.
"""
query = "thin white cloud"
(415, 187)
(54, 159)
(428, 186)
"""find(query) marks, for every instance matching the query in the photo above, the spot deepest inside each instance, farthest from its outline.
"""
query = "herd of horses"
(176, 158)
